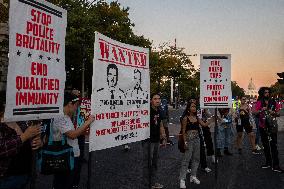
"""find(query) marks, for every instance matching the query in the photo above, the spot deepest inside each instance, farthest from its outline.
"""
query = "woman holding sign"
(190, 127)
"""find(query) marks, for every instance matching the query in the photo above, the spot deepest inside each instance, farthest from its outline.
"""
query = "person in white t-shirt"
(64, 125)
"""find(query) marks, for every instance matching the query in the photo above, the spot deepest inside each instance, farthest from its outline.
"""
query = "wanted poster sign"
(120, 94)
(215, 81)
(36, 72)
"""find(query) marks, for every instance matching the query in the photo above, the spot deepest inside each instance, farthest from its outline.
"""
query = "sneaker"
(188, 171)
(255, 152)
(194, 179)
(207, 170)
(265, 166)
(126, 148)
(258, 148)
(277, 169)
(157, 186)
(182, 184)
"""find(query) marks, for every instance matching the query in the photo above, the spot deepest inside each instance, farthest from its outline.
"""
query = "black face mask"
(266, 98)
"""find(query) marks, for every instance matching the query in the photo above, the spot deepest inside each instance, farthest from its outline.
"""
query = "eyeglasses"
(265, 92)
(244, 99)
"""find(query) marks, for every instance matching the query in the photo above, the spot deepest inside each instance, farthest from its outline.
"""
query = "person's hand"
(31, 132)
(36, 143)
(90, 120)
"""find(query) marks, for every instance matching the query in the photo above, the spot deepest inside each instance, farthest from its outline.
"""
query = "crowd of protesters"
(19, 141)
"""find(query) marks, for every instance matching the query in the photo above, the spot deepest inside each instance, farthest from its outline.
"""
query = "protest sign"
(120, 94)
(215, 81)
(83, 113)
(36, 71)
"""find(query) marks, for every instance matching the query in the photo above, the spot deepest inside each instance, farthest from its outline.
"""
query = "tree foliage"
(83, 19)
(277, 90)
(237, 90)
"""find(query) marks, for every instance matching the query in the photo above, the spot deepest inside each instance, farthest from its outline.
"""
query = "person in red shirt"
(266, 107)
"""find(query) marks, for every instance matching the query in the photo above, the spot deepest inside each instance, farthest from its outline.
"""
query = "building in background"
(251, 91)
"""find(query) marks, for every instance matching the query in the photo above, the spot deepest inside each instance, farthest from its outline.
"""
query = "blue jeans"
(224, 136)
(14, 182)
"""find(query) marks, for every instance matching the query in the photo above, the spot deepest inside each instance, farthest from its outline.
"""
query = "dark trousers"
(67, 180)
(150, 163)
(270, 148)
(81, 142)
(208, 141)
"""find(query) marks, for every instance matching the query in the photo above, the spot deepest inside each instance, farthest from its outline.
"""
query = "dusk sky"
(251, 30)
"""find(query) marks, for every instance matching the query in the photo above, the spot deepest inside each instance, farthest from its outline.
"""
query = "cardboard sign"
(120, 94)
(36, 72)
(215, 81)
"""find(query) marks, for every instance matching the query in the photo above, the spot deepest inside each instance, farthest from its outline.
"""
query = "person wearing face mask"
(265, 107)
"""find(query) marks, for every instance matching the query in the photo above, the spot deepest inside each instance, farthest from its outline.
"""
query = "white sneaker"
(188, 171)
(258, 148)
(194, 179)
(207, 170)
(182, 184)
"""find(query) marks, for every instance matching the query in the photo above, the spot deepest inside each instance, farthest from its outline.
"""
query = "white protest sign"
(120, 94)
(215, 81)
(36, 72)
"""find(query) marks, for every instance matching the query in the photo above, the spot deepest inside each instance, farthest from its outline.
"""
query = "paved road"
(115, 169)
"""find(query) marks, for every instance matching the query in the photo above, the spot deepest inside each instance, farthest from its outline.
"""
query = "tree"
(237, 90)
(168, 62)
(84, 18)
(277, 90)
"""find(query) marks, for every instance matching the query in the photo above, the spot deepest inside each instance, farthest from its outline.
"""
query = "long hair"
(271, 102)
(187, 109)
(261, 92)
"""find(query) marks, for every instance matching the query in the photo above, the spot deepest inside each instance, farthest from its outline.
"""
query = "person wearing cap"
(64, 125)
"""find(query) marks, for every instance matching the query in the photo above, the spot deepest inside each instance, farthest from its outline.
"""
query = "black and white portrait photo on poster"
(120, 94)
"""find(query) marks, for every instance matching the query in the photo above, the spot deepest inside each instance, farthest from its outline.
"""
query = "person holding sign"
(224, 131)
(151, 146)
(64, 125)
(190, 127)
(16, 145)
